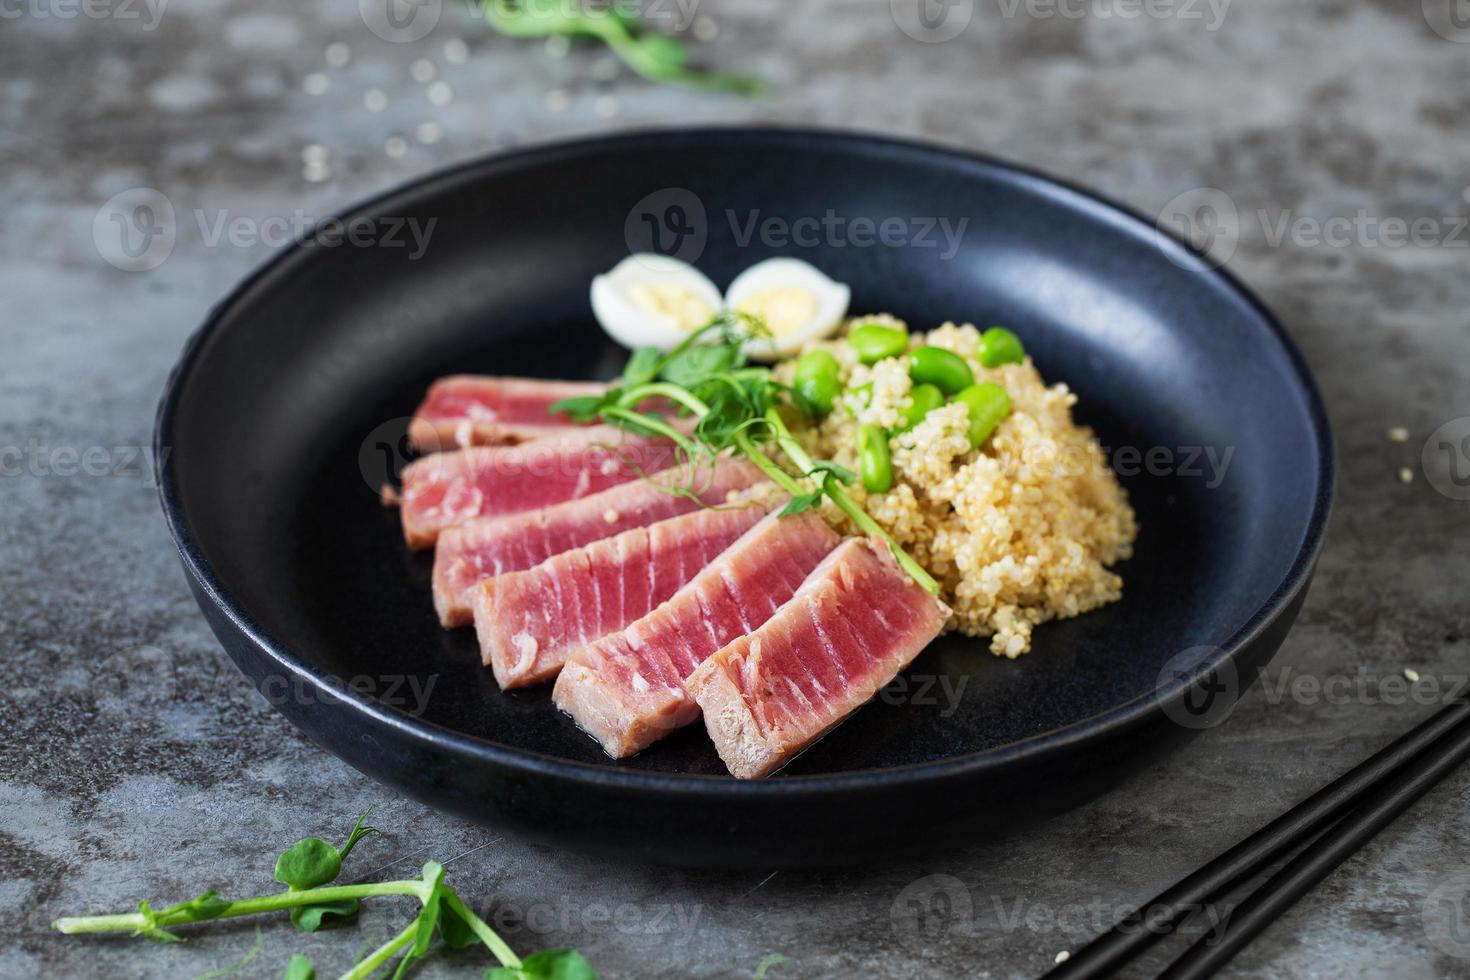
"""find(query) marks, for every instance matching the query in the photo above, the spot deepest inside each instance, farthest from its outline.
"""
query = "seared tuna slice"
(529, 621)
(446, 489)
(627, 689)
(490, 546)
(852, 626)
(474, 410)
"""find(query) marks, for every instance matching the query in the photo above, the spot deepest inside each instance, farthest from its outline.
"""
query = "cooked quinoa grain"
(1022, 530)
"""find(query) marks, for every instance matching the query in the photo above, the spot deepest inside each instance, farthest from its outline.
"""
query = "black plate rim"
(1128, 715)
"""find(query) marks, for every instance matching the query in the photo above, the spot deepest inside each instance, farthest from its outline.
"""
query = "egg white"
(616, 306)
(828, 302)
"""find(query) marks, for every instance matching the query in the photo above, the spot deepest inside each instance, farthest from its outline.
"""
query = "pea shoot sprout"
(737, 408)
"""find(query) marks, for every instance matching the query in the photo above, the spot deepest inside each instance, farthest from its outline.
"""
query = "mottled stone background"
(113, 790)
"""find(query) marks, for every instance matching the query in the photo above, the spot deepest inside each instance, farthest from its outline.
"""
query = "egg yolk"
(680, 306)
(783, 309)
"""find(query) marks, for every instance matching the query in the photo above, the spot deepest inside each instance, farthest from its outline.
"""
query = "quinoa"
(1018, 532)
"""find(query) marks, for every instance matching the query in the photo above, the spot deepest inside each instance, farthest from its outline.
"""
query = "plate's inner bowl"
(295, 409)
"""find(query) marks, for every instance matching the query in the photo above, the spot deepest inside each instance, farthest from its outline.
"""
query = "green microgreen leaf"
(299, 968)
(582, 408)
(694, 365)
(308, 863)
(642, 367)
(453, 929)
(655, 56)
(324, 915)
(549, 964)
(801, 502)
(842, 474)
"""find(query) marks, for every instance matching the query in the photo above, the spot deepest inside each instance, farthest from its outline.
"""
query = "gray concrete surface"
(1298, 113)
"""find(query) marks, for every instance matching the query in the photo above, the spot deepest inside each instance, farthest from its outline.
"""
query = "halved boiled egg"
(650, 300)
(795, 301)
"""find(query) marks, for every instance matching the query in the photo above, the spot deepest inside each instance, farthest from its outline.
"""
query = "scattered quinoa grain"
(1406, 475)
(1063, 956)
(1398, 434)
(1411, 675)
(610, 516)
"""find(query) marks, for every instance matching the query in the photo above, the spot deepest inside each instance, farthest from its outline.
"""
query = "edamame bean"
(1001, 347)
(874, 341)
(923, 399)
(941, 368)
(988, 403)
(816, 380)
(874, 463)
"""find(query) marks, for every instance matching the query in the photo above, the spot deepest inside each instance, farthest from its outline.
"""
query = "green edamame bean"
(988, 403)
(941, 368)
(874, 341)
(1001, 347)
(816, 380)
(923, 399)
(874, 463)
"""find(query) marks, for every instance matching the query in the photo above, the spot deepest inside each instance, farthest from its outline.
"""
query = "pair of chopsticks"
(1341, 817)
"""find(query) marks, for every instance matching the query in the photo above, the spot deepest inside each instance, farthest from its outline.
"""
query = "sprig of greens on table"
(307, 869)
(739, 407)
(656, 56)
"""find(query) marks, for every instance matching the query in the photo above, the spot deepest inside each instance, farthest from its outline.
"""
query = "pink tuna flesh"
(528, 622)
(474, 410)
(472, 552)
(627, 689)
(852, 626)
(446, 489)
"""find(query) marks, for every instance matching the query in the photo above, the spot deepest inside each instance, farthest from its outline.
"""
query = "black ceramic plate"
(288, 405)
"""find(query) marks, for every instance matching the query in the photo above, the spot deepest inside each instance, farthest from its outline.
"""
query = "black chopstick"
(1135, 933)
(1319, 859)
